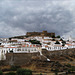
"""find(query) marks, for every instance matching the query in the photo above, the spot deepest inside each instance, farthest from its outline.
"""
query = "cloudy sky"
(19, 16)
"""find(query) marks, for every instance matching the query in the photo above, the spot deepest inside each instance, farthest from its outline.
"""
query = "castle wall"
(43, 33)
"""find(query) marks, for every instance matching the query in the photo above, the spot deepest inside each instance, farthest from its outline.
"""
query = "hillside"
(64, 59)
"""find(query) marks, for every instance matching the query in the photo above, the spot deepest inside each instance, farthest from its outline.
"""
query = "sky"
(20, 16)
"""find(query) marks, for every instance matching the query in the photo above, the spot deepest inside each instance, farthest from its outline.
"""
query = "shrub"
(68, 65)
(35, 42)
(24, 72)
(40, 73)
(72, 68)
(1, 73)
(69, 70)
(53, 39)
(10, 73)
(14, 68)
(56, 73)
(5, 69)
(57, 42)
(53, 36)
(58, 36)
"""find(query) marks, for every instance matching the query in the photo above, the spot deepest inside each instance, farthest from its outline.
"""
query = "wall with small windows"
(5, 50)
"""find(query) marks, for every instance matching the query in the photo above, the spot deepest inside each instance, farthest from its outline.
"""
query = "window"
(22, 49)
(18, 49)
(34, 49)
(50, 47)
(25, 49)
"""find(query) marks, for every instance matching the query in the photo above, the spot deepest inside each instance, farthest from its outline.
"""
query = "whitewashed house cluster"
(17, 46)
(24, 46)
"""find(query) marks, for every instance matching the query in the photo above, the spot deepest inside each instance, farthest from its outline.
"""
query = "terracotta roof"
(11, 47)
(1, 45)
(69, 44)
(58, 46)
(46, 46)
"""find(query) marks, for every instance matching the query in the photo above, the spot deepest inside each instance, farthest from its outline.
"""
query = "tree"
(40, 73)
(35, 42)
(53, 39)
(53, 36)
(57, 42)
(56, 71)
(1, 73)
(63, 43)
(61, 39)
(24, 72)
(58, 36)
(10, 39)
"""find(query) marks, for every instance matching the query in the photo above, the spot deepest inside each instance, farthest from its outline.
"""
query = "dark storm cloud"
(17, 17)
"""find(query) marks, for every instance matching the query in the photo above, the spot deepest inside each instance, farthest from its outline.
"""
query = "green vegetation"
(18, 71)
(62, 68)
(1, 73)
(53, 36)
(10, 73)
(10, 39)
(40, 73)
(72, 68)
(68, 65)
(63, 43)
(53, 39)
(58, 36)
(56, 73)
(57, 42)
(61, 39)
(14, 68)
(35, 42)
(26, 36)
(24, 72)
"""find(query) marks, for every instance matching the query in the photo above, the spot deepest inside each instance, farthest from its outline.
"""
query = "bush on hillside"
(1, 73)
(40, 73)
(14, 68)
(10, 73)
(24, 72)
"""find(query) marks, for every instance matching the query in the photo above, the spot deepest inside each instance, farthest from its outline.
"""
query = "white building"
(18, 49)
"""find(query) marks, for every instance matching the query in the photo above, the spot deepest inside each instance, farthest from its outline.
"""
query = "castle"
(43, 33)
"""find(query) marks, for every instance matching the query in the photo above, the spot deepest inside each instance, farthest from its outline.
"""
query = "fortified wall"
(43, 33)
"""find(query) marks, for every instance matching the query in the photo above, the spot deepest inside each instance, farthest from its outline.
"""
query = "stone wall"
(19, 58)
(43, 33)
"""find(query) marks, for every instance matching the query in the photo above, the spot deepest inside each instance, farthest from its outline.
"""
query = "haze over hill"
(20, 16)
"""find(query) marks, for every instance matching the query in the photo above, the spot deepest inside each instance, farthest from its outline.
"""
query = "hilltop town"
(34, 42)
(38, 50)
